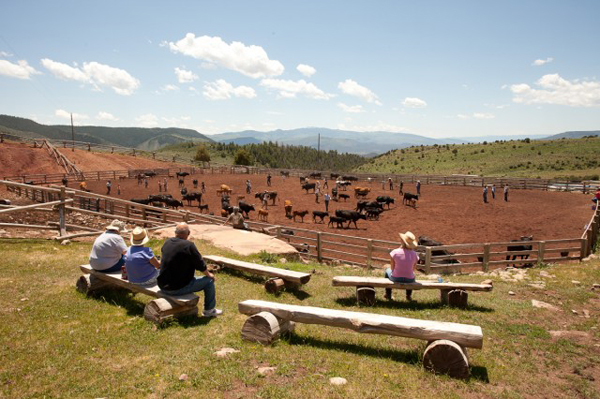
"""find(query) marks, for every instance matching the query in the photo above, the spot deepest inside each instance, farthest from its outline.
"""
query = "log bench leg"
(456, 298)
(274, 285)
(446, 357)
(365, 296)
(265, 328)
(89, 284)
(161, 309)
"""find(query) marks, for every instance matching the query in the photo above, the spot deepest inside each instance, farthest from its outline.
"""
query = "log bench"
(445, 352)
(158, 310)
(279, 278)
(453, 294)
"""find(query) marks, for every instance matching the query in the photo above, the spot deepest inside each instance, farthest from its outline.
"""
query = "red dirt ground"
(451, 214)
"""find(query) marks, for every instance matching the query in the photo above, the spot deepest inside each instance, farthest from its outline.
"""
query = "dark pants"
(116, 267)
(388, 291)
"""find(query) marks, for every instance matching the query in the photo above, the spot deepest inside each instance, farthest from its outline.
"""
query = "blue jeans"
(205, 284)
(116, 267)
(388, 275)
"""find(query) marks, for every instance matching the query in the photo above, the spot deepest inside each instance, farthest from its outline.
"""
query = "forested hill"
(273, 155)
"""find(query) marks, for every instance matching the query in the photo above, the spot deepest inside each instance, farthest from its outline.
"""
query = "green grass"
(555, 159)
(55, 342)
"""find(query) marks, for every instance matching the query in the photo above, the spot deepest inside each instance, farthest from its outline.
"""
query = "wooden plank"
(354, 281)
(463, 334)
(289, 275)
(27, 226)
(115, 278)
(33, 206)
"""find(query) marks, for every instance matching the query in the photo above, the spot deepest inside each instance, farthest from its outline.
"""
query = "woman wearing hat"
(141, 264)
(403, 261)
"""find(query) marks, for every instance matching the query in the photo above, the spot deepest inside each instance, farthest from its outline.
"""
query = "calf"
(299, 213)
(408, 196)
(350, 216)
(182, 174)
(361, 205)
(520, 248)
(181, 182)
(143, 201)
(173, 203)
(319, 214)
(309, 186)
(203, 207)
(430, 242)
(245, 208)
(385, 200)
(337, 220)
(315, 175)
(373, 213)
(263, 214)
(350, 178)
(344, 197)
(189, 197)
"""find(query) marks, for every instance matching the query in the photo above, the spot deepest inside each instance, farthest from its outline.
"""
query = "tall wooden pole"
(72, 134)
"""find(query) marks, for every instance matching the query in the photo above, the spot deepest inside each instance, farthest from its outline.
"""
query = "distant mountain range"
(574, 134)
(148, 139)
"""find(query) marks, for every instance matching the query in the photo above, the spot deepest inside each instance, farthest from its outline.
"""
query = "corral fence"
(325, 246)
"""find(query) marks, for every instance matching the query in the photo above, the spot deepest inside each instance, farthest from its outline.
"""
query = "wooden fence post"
(486, 257)
(278, 235)
(319, 248)
(126, 210)
(369, 252)
(186, 216)
(61, 213)
(541, 251)
(427, 260)
(583, 251)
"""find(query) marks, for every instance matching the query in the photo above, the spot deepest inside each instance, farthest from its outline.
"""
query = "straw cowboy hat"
(409, 240)
(139, 236)
(117, 226)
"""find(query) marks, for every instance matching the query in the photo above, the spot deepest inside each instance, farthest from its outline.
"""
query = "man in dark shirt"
(180, 259)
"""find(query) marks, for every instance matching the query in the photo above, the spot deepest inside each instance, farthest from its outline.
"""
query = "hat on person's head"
(139, 236)
(116, 225)
(409, 240)
(236, 209)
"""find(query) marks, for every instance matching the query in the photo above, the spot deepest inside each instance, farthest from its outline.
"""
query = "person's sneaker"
(212, 312)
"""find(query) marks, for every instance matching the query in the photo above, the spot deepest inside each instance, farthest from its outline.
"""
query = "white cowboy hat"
(117, 226)
(139, 236)
(409, 240)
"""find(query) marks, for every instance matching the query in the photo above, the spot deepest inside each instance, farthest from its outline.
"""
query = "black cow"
(64, 181)
(181, 182)
(361, 205)
(282, 173)
(344, 197)
(350, 216)
(143, 201)
(150, 174)
(430, 242)
(406, 199)
(373, 213)
(315, 175)
(374, 204)
(337, 220)
(272, 195)
(319, 214)
(245, 208)
(302, 179)
(309, 186)
(344, 184)
(299, 213)
(195, 183)
(159, 197)
(385, 200)
(157, 204)
(173, 203)
(350, 178)
(520, 248)
(182, 174)
(189, 197)
(203, 207)
(334, 175)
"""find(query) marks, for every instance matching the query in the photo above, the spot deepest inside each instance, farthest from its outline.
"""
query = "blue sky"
(435, 68)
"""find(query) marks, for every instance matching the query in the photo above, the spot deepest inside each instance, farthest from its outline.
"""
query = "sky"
(440, 69)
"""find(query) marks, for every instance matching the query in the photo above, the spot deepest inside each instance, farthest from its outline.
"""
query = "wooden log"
(446, 357)
(253, 268)
(274, 285)
(365, 296)
(265, 328)
(458, 298)
(161, 309)
(89, 284)
(466, 335)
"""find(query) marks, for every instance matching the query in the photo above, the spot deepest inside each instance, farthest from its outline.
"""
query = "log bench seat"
(453, 294)
(279, 278)
(445, 352)
(164, 307)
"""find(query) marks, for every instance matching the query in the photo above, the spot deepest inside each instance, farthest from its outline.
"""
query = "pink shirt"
(404, 262)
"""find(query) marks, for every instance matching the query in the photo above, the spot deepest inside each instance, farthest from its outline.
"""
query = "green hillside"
(564, 158)
(272, 155)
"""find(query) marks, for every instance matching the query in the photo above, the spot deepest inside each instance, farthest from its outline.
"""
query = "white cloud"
(169, 87)
(95, 74)
(556, 90)
(147, 120)
(291, 88)
(306, 70)
(483, 115)
(222, 90)
(184, 76)
(352, 88)
(378, 127)
(251, 61)
(462, 116)
(106, 116)
(5, 54)
(61, 113)
(351, 108)
(542, 62)
(20, 70)
(413, 102)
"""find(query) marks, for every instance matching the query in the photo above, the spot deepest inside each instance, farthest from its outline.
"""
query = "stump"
(446, 357)
(290, 285)
(365, 296)
(456, 298)
(89, 284)
(264, 328)
(274, 285)
(161, 309)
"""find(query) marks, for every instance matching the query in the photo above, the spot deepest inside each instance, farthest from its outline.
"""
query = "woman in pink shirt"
(403, 261)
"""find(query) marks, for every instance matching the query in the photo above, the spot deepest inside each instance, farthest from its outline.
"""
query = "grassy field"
(55, 342)
(564, 158)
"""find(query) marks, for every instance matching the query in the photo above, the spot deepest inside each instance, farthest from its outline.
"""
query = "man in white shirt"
(109, 248)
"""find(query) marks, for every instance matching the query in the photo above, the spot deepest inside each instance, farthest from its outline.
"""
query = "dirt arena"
(450, 214)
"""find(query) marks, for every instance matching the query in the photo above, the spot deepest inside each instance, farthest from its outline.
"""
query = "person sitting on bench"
(237, 220)
(180, 258)
(141, 264)
(108, 251)
(403, 261)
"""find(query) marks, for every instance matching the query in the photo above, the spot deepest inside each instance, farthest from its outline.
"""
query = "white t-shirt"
(107, 250)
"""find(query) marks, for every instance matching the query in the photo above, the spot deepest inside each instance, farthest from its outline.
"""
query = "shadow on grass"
(413, 305)
(479, 373)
